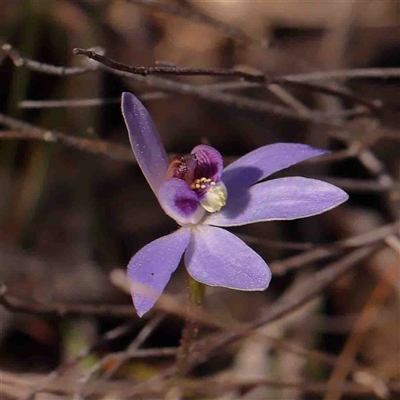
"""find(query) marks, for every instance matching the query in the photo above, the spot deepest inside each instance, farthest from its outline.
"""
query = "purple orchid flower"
(202, 197)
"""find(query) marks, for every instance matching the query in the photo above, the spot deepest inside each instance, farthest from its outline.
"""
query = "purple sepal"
(180, 202)
(150, 268)
(264, 161)
(145, 141)
(279, 199)
(216, 257)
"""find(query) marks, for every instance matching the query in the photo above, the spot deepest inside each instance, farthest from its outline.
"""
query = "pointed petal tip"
(140, 307)
(279, 199)
(263, 162)
(126, 98)
(316, 150)
(150, 269)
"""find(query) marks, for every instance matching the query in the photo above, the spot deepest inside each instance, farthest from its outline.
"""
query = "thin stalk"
(191, 328)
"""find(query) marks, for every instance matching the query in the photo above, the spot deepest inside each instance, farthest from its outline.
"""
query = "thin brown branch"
(20, 61)
(176, 71)
(232, 100)
(119, 358)
(86, 352)
(361, 185)
(232, 73)
(23, 130)
(378, 169)
(132, 349)
(345, 74)
(319, 249)
(67, 103)
(321, 252)
(16, 304)
(86, 102)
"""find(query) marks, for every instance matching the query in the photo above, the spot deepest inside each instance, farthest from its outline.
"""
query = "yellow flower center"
(202, 183)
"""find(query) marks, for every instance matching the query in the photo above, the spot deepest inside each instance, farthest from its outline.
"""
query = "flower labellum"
(202, 197)
(212, 194)
(194, 182)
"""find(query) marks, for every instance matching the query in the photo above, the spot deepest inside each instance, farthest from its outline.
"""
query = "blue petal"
(279, 199)
(145, 141)
(150, 268)
(216, 257)
(264, 161)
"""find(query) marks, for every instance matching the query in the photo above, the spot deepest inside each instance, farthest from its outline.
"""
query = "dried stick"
(251, 77)
(23, 130)
(64, 367)
(344, 74)
(132, 349)
(15, 304)
(367, 316)
(120, 357)
(20, 61)
(320, 252)
(361, 185)
(86, 102)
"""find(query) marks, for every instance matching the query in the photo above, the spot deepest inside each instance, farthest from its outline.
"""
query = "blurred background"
(72, 216)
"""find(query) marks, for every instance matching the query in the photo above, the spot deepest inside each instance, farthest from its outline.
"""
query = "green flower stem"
(191, 329)
(196, 290)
